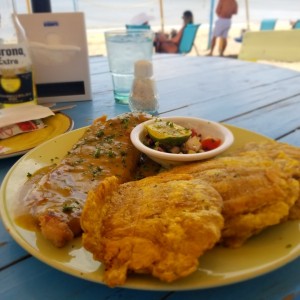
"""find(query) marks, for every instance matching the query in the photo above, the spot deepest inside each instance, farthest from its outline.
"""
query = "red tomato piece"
(210, 144)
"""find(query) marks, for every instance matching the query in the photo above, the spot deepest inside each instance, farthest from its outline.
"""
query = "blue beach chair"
(188, 38)
(297, 25)
(240, 38)
(268, 24)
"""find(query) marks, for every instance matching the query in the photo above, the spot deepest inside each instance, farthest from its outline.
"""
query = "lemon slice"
(168, 133)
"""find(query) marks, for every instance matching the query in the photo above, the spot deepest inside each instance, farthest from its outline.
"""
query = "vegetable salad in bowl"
(166, 136)
(176, 140)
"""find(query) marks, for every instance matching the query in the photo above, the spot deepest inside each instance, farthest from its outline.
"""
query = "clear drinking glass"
(124, 48)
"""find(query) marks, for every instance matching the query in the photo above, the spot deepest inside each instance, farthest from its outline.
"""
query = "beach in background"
(102, 15)
(116, 13)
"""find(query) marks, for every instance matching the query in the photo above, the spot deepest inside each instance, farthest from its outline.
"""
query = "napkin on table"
(23, 118)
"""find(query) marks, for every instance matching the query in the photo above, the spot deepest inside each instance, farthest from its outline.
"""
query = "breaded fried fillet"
(271, 149)
(256, 192)
(159, 225)
(278, 152)
(104, 150)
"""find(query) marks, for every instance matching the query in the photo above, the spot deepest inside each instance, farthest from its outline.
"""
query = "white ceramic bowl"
(205, 127)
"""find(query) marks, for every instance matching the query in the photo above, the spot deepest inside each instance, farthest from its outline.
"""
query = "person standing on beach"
(225, 10)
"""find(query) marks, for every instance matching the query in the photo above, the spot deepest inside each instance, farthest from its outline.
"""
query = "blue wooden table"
(258, 97)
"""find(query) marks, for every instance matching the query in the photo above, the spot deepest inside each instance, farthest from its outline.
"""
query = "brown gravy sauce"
(22, 215)
(24, 218)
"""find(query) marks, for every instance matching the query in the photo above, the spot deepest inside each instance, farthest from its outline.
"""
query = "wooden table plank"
(39, 281)
(274, 120)
(204, 67)
(10, 251)
(292, 138)
(227, 105)
(211, 73)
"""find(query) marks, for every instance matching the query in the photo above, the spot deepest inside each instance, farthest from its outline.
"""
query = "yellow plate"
(22, 143)
(265, 252)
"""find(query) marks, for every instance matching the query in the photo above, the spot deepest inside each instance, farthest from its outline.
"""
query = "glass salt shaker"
(143, 96)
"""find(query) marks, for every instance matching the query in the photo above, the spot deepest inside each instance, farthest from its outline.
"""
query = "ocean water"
(115, 13)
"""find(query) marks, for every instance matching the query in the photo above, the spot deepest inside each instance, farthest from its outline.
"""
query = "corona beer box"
(59, 53)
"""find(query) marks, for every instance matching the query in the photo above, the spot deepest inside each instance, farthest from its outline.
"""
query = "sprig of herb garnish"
(170, 124)
(100, 133)
(111, 154)
(69, 207)
(97, 153)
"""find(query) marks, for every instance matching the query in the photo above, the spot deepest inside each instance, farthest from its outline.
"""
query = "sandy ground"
(96, 42)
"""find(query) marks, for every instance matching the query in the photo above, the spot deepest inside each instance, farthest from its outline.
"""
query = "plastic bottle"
(143, 96)
(16, 72)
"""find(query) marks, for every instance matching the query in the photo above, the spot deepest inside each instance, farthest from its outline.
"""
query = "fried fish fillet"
(273, 149)
(105, 149)
(278, 152)
(257, 192)
(158, 225)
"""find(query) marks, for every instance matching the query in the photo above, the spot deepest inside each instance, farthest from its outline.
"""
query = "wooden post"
(28, 3)
(247, 14)
(211, 21)
(162, 21)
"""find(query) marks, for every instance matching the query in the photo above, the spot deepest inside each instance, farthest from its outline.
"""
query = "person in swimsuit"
(163, 44)
(225, 10)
